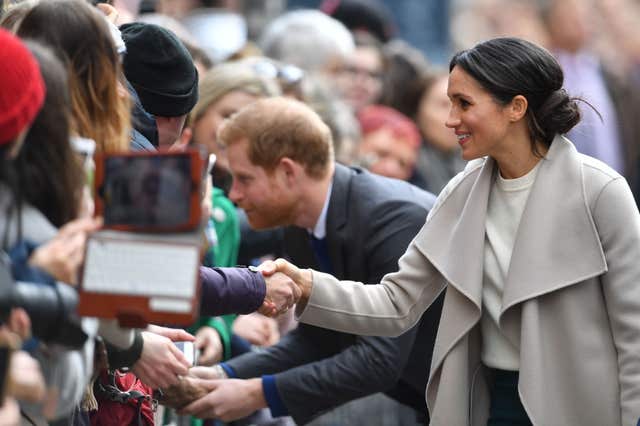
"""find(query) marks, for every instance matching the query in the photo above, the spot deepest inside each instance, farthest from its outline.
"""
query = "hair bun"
(558, 114)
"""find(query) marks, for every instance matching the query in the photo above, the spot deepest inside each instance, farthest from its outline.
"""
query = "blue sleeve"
(272, 396)
(20, 268)
(269, 388)
(227, 369)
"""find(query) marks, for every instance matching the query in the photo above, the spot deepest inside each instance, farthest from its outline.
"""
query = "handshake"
(206, 392)
(286, 284)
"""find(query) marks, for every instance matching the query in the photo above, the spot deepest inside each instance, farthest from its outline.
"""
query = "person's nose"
(235, 194)
(453, 119)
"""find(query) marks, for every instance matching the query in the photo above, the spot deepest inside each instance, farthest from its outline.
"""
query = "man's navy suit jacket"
(370, 222)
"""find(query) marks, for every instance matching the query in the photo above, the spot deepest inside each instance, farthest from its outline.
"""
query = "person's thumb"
(268, 268)
(208, 384)
(288, 269)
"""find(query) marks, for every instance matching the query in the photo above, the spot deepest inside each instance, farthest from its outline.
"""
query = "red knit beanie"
(21, 87)
(375, 117)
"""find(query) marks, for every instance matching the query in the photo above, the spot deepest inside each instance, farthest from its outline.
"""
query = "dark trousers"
(506, 408)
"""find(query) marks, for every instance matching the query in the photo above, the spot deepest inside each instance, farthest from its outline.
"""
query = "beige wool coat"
(571, 300)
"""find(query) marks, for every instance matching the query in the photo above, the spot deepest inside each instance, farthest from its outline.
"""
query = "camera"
(51, 309)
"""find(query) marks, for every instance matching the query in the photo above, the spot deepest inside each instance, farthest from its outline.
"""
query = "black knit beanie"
(371, 16)
(160, 68)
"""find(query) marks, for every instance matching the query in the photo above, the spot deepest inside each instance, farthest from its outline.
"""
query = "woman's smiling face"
(478, 120)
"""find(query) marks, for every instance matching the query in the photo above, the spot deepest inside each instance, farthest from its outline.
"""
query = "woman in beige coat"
(537, 248)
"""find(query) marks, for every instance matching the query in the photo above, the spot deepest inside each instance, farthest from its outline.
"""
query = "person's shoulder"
(596, 176)
(138, 142)
(381, 200)
(36, 228)
(387, 188)
(592, 167)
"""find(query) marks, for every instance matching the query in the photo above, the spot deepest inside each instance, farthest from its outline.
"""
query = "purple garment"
(592, 136)
(230, 291)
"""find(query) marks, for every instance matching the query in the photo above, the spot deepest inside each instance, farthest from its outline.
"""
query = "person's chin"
(256, 223)
(469, 154)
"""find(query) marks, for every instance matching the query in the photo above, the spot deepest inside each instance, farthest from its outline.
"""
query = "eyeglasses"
(287, 75)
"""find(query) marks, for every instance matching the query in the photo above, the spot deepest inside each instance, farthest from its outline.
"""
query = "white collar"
(320, 230)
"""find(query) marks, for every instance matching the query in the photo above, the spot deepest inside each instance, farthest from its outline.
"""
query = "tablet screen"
(151, 191)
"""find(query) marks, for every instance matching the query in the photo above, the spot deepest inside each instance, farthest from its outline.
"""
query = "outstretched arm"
(387, 309)
(243, 290)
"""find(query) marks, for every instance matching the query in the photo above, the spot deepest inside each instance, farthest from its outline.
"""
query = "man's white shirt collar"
(320, 230)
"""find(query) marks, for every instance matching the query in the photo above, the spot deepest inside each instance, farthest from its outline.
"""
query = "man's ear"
(183, 141)
(289, 168)
(518, 108)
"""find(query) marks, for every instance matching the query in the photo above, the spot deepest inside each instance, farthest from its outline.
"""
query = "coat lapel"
(555, 223)
(557, 243)
(453, 241)
(453, 238)
(337, 218)
(297, 243)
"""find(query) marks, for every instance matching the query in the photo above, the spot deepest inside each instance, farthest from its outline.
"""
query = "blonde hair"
(229, 77)
(281, 127)
(99, 111)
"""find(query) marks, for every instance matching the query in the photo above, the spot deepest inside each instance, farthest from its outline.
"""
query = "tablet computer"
(149, 191)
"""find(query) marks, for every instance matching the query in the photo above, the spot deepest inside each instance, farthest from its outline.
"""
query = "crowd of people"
(429, 244)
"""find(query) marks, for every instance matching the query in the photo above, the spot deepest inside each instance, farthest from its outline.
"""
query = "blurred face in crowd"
(359, 80)
(432, 114)
(177, 9)
(386, 154)
(169, 129)
(569, 23)
(206, 128)
(480, 123)
(265, 196)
